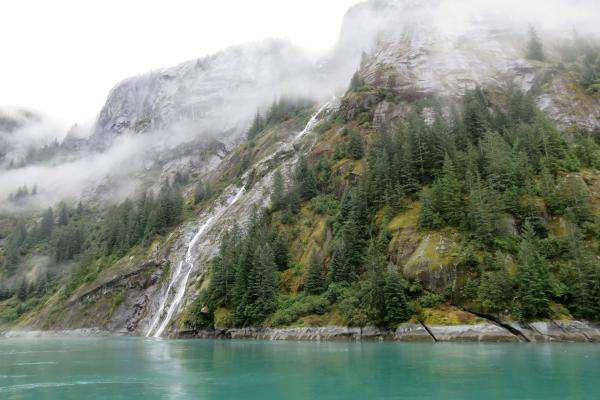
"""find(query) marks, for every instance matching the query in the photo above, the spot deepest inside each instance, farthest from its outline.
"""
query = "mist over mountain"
(438, 165)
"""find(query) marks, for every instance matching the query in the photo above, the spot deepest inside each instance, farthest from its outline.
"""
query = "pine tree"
(451, 197)
(223, 272)
(63, 214)
(355, 145)
(495, 292)
(47, 223)
(258, 124)
(306, 185)
(281, 255)
(315, 281)
(277, 191)
(338, 269)
(262, 285)
(396, 306)
(535, 48)
(356, 82)
(532, 300)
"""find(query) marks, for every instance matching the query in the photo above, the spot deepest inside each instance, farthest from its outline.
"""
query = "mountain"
(449, 193)
(217, 93)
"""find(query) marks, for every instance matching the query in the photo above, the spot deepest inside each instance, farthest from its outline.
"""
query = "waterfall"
(313, 120)
(180, 277)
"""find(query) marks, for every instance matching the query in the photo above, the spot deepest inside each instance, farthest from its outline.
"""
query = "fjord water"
(141, 368)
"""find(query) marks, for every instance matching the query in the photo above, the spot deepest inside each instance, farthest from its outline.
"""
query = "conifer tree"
(277, 191)
(47, 223)
(315, 281)
(63, 214)
(532, 300)
(451, 197)
(355, 145)
(396, 306)
(535, 48)
(262, 285)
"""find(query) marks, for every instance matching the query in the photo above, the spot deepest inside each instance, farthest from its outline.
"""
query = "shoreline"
(536, 332)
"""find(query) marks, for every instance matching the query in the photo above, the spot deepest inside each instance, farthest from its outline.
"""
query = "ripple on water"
(45, 385)
(37, 363)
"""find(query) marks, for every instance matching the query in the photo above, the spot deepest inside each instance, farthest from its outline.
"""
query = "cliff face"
(216, 94)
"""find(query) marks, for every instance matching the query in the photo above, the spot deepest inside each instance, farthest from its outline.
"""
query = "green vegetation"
(494, 173)
(83, 236)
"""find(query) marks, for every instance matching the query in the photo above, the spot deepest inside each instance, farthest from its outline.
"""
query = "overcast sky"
(61, 57)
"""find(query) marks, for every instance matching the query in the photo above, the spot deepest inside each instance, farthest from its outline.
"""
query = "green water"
(137, 368)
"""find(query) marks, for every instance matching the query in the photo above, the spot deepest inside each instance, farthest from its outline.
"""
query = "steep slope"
(411, 87)
(217, 94)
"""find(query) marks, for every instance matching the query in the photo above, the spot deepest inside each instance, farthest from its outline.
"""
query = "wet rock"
(412, 333)
(483, 332)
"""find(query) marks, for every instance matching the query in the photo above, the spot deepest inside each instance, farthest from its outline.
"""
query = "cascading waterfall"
(181, 276)
(313, 120)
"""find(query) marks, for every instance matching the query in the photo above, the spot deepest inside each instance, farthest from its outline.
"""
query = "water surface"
(140, 368)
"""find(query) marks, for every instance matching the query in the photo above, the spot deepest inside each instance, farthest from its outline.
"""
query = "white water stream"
(181, 276)
(179, 279)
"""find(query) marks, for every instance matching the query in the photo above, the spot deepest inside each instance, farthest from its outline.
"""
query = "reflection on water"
(141, 368)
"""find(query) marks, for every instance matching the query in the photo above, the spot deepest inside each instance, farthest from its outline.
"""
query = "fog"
(215, 97)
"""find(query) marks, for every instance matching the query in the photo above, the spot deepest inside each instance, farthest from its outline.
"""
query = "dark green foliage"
(304, 180)
(533, 279)
(262, 286)
(315, 280)
(277, 191)
(281, 255)
(496, 290)
(290, 310)
(397, 308)
(355, 145)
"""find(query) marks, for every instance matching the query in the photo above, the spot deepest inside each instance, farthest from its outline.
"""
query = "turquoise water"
(138, 368)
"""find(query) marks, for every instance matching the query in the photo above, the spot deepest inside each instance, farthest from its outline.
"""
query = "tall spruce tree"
(315, 280)
(532, 300)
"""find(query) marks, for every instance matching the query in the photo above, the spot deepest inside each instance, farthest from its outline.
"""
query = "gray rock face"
(558, 331)
(217, 94)
(485, 332)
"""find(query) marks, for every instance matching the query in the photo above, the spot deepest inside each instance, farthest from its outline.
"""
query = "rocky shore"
(547, 331)
(541, 331)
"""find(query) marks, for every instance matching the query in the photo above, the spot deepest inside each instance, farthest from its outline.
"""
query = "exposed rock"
(404, 333)
(83, 332)
(484, 332)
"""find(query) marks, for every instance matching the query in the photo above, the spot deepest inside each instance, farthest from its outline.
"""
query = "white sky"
(61, 57)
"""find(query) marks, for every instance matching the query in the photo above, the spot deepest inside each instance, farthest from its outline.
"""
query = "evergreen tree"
(535, 48)
(396, 306)
(223, 272)
(495, 292)
(339, 270)
(281, 255)
(451, 197)
(355, 145)
(306, 185)
(262, 285)
(277, 191)
(532, 300)
(315, 281)
(63, 214)
(47, 223)
(258, 124)
(356, 82)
